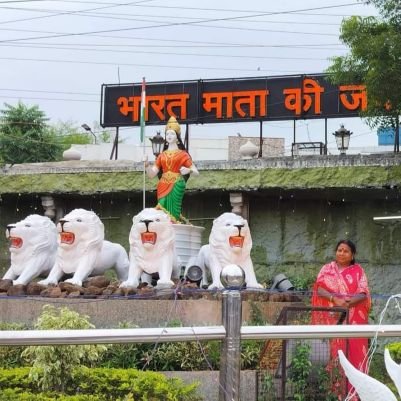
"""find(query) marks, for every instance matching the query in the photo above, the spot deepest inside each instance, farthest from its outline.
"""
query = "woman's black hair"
(351, 246)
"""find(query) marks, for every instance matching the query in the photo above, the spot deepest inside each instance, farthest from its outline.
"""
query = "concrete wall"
(152, 312)
(209, 383)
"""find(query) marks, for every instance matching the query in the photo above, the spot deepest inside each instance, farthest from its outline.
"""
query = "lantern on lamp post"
(157, 144)
(342, 136)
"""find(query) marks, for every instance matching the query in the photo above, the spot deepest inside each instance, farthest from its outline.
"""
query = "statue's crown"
(172, 123)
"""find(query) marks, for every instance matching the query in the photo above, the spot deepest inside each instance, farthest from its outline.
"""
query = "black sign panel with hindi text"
(231, 100)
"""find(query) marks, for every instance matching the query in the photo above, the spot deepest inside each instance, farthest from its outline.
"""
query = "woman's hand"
(339, 301)
(185, 170)
(356, 299)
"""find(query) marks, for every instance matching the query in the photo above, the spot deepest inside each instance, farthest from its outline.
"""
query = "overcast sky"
(57, 54)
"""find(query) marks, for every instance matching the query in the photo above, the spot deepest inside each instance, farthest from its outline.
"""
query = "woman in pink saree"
(343, 283)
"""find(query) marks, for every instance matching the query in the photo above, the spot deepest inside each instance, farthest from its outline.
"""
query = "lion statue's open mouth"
(148, 238)
(16, 242)
(67, 238)
(236, 241)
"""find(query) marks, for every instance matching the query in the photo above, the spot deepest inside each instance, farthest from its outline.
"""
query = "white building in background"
(199, 148)
(217, 149)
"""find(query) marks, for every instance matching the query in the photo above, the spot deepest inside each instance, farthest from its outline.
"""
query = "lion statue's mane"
(83, 251)
(152, 249)
(33, 248)
(230, 242)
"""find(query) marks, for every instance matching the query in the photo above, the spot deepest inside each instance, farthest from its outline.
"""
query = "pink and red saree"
(345, 282)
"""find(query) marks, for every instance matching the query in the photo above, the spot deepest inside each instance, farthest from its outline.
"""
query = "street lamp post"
(89, 129)
(342, 136)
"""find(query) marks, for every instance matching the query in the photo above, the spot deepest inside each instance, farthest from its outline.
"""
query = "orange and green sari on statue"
(171, 186)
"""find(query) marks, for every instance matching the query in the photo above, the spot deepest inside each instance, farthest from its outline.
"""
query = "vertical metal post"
(260, 138)
(230, 362)
(223, 350)
(115, 146)
(325, 136)
(294, 139)
(284, 359)
(186, 138)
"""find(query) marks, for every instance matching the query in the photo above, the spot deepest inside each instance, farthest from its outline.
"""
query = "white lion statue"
(83, 251)
(152, 249)
(33, 247)
(230, 242)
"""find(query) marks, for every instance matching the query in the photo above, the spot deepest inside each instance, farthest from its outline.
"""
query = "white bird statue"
(393, 370)
(368, 388)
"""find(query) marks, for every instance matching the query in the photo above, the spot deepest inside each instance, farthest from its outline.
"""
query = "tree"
(68, 133)
(375, 60)
(389, 9)
(25, 137)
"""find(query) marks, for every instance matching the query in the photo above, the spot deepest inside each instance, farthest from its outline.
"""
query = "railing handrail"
(111, 336)
(174, 334)
(318, 331)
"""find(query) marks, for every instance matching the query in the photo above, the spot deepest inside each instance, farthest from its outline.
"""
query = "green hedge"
(15, 395)
(100, 385)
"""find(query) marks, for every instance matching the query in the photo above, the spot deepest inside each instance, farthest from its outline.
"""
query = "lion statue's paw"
(215, 286)
(47, 282)
(74, 281)
(254, 285)
(129, 284)
(164, 284)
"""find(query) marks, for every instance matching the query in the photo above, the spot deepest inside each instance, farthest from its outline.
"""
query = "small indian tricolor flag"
(143, 109)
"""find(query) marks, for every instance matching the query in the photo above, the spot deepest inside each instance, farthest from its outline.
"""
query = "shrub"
(178, 356)
(17, 378)
(53, 365)
(300, 370)
(99, 384)
(175, 356)
(15, 395)
(395, 351)
(10, 356)
(144, 386)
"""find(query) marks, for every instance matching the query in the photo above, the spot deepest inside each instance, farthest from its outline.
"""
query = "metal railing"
(174, 334)
(230, 333)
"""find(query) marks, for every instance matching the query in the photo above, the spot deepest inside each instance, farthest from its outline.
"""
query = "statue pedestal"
(188, 240)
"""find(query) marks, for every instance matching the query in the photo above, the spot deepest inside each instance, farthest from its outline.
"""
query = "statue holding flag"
(175, 166)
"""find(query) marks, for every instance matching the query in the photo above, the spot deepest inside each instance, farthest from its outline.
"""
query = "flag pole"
(143, 110)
